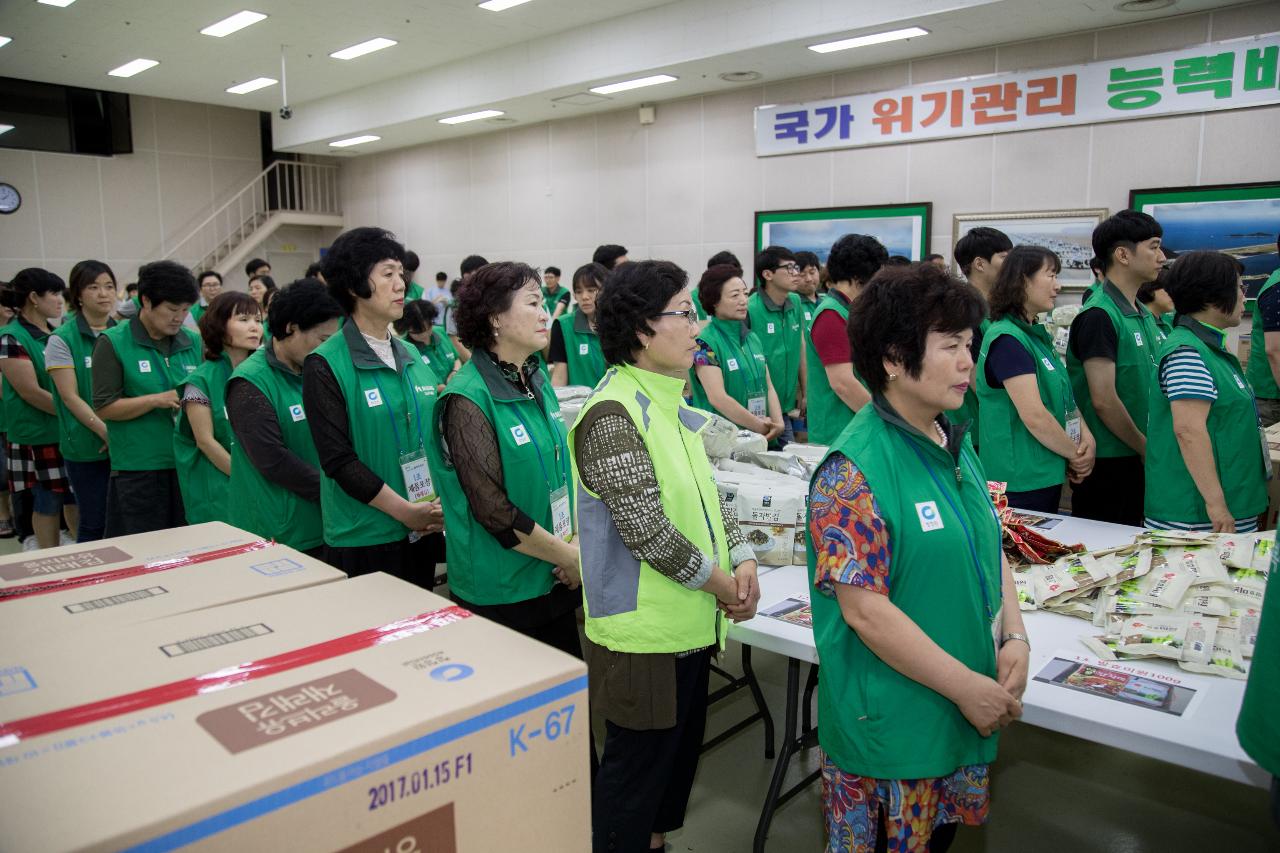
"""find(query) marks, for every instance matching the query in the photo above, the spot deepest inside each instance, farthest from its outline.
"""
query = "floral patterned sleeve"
(704, 357)
(847, 529)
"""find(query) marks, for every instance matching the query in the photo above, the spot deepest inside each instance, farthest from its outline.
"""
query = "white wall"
(128, 209)
(687, 186)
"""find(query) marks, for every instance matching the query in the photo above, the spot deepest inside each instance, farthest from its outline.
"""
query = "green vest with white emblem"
(26, 423)
(828, 414)
(969, 410)
(583, 356)
(1260, 375)
(1136, 343)
(204, 487)
(146, 442)
(741, 361)
(1238, 454)
(1009, 451)
(77, 442)
(629, 605)
(389, 413)
(260, 505)
(535, 464)
(945, 576)
(781, 335)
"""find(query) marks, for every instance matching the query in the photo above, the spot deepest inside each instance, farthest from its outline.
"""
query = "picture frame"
(1069, 233)
(902, 228)
(1242, 220)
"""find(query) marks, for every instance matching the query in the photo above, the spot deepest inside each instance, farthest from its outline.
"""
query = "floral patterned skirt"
(851, 806)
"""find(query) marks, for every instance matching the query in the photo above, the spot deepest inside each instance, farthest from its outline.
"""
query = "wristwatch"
(1014, 636)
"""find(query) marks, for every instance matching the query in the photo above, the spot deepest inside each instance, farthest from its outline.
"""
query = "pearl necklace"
(942, 434)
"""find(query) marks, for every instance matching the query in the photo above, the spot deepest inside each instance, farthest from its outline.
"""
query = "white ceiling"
(453, 57)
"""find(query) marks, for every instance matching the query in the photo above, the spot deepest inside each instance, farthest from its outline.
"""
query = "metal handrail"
(284, 185)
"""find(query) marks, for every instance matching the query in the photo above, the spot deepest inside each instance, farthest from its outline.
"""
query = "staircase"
(285, 193)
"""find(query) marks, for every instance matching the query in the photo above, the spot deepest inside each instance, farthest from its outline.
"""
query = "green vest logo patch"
(584, 349)
(144, 365)
(373, 397)
(520, 434)
(296, 412)
(929, 517)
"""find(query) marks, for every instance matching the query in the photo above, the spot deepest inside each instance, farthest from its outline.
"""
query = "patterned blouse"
(853, 547)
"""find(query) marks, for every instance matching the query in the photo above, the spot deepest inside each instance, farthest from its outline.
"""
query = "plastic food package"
(719, 437)
(1023, 583)
(812, 453)
(1201, 563)
(1202, 633)
(1204, 605)
(1158, 636)
(778, 461)
(1226, 659)
(769, 512)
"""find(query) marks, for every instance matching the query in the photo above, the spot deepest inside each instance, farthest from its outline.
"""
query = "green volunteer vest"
(535, 463)
(808, 308)
(26, 423)
(1164, 324)
(742, 363)
(550, 299)
(389, 413)
(781, 334)
(1238, 453)
(146, 442)
(827, 412)
(1260, 375)
(1258, 726)
(1095, 287)
(441, 351)
(76, 441)
(583, 356)
(629, 605)
(413, 291)
(204, 487)
(945, 576)
(697, 305)
(261, 506)
(1009, 451)
(1136, 342)
(425, 354)
(197, 311)
(968, 412)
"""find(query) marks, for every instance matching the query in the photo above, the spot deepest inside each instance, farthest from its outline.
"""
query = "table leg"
(758, 695)
(789, 746)
(749, 681)
(807, 705)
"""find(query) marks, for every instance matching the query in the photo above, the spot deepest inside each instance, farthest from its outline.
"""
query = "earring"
(892, 376)
(646, 344)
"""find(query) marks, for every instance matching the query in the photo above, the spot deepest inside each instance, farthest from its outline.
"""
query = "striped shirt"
(1183, 376)
(1243, 525)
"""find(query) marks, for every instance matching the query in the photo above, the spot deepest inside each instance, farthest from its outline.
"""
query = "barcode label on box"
(275, 568)
(113, 600)
(210, 641)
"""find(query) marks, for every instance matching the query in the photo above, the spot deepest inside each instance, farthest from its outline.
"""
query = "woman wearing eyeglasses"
(663, 560)
(1207, 462)
(730, 375)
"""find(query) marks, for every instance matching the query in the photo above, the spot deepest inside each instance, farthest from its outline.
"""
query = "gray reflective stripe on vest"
(613, 572)
(692, 420)
(644, 408)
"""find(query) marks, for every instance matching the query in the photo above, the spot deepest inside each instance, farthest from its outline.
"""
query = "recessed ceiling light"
(640, 83)
(59, 3)
(500, 5)
(253, 85)
(466, 117)
(863, 41)
(740, 76)
(362, 48)
(355, 140)
(5, 128)
(129, 69)
(236, 22)
(4, 40)
(1143, 5)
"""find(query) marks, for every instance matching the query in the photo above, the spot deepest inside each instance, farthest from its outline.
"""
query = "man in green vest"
(136, 367)
(412, 290)
(835, 392)
(1111, 360)
(775, 315)
(1264, 348)
(980, 254)
(210, 282)
(807, 284)
(554, 297)
(1095, 267)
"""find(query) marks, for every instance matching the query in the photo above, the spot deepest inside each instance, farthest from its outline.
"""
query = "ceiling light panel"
(4, 40)
(354, 140)
(640, 83)
(62, 4)
(362, 48)
(501, 5)
(235, 23)
(252, 85)
(466, 117)
(863, 41)
(129, 69)
(5, 128)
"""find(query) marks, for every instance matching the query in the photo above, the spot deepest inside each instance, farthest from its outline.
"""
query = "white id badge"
(561, 519)
(1266, 452)
(756, 406)
(1073, 427)
(417, 477)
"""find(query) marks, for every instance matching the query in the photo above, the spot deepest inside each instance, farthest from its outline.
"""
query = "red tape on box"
(13, 593)
(19, 730)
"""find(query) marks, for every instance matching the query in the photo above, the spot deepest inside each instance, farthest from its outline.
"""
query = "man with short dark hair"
(1264, 349)
(554, 297)
(937, 260)
(466, 269)
(807, 284)
(979, 253)
(257, 266)
(775, 315)
(210, 283)
(610, 255)
(1111, 361)
(1095, 267)
(412, 290)
(440, 293)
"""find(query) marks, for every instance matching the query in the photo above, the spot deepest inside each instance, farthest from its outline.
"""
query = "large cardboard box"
(147, 576)
(363, 715)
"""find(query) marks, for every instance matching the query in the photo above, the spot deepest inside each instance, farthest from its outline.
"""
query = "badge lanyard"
(561, 521)
(417, 415)
(536, 449)
(1071, 394)
(964, 527)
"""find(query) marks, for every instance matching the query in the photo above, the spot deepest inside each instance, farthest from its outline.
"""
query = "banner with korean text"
(1220, 76)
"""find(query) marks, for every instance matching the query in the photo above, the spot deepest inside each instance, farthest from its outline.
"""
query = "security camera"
(286, 112)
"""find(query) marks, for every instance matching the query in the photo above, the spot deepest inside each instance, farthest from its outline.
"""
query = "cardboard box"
(375, 716)
(131, 579)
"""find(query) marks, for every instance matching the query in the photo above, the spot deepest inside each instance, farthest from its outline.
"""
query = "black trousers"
(1113, 492)
(1036, 500)
(645, 777)
(413, 562)
(143, 501)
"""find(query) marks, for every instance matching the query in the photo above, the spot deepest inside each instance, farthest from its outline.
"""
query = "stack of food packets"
(1194, 598)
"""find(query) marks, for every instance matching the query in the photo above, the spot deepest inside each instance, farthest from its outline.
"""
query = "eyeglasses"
(789, 266)
(691, 315)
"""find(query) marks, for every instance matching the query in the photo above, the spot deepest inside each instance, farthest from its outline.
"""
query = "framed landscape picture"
(1069, 233)
(1242, 220)
(902, 228)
